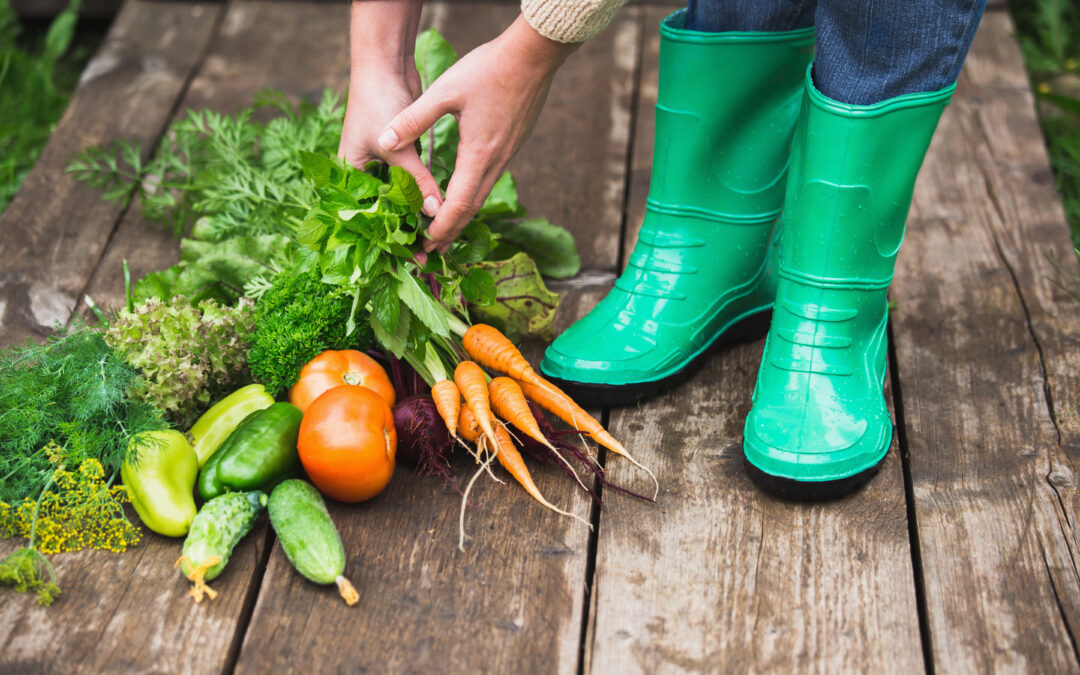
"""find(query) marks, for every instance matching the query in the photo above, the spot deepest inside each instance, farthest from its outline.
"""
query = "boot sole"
(812, 491)
(597, 395)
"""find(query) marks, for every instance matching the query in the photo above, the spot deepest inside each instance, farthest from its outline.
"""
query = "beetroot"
(422, 436)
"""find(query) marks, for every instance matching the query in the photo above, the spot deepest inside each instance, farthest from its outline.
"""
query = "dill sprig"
(72, 392)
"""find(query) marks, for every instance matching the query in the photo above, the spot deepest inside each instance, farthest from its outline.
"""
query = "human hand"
(384, 79)
(496, 93)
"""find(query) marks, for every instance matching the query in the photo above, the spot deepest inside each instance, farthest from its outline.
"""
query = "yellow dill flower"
(82, 511)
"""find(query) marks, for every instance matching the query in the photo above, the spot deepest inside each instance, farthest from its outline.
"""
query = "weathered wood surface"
(718, 577)
(986, 354)
(118, 612)
(55, 229)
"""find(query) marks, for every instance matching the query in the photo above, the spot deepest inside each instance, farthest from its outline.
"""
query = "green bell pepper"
(160, 482)
(258, 455)
(211, 430)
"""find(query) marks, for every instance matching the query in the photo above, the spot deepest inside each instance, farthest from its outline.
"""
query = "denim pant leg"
(717, 16)
(872, 50)
(867, 50)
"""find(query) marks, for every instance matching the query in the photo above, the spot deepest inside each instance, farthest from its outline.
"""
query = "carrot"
(554, 400)
(468, 426)
(511, 460)
(448, 402)
(491, 349)
(472, 383)
(508, 402)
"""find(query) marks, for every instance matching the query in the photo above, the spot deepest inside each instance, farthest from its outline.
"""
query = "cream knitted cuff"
(569, 20)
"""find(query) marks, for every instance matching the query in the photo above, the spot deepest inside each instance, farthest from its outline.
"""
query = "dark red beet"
(422, 436)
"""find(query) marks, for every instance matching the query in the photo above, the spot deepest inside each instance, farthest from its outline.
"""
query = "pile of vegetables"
(297, 276)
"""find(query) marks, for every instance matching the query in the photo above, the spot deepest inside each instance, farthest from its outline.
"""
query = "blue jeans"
(867, 50)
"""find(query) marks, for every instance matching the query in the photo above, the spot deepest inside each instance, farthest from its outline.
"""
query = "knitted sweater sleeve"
(569, 20)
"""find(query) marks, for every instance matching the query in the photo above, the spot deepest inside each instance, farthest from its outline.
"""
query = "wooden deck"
(959, 557)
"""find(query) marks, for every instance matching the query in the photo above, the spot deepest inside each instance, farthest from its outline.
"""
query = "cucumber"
(308, 536)
(217, 528)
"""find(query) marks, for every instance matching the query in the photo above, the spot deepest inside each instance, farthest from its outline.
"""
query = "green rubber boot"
(726, 112)
(819, 426)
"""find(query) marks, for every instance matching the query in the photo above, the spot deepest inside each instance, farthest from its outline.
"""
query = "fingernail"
(388, 139)
(431, 206)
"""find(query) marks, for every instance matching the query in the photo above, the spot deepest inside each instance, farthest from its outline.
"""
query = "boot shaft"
(850, 187)
(727, 106)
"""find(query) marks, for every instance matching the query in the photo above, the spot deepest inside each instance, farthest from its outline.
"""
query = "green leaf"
(523, 305)
(336, 266)
(319, 169)
(503, 200)
(315, 229)
(157, 284)
(385, 303)
(434, 55)
(478, 286)
(397, 342)
(60, 34)
(551, 246)
(478, 243)
(362, 185)
(423, 305)
(403, 190)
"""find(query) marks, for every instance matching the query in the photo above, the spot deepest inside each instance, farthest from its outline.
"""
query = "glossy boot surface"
(726, 112)
(819, 425)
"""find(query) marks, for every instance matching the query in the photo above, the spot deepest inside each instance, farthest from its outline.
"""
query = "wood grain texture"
(54, 231)
(125, 612)
(644, 124)
(985, 348)
(511, 602)
(719, 577)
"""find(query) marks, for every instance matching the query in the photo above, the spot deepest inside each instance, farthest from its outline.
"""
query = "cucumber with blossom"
(308, 536)
(216, 530)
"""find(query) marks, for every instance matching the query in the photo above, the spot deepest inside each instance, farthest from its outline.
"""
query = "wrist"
(530, 50)
(382, 33)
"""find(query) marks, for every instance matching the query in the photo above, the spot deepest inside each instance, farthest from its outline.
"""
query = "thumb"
(410, 123)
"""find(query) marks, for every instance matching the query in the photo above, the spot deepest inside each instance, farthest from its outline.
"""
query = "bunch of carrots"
(507, 396)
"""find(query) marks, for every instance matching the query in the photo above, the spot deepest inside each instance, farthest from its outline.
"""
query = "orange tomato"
(333, 369)
(348, 443)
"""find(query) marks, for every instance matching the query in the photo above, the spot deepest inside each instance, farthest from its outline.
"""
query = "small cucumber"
(308, 536)
(217, 528)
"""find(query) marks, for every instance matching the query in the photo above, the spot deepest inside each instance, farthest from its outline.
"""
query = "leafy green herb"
(188, 355)
(36, 81)
(27, 570)
(296, 319)
(71, 392)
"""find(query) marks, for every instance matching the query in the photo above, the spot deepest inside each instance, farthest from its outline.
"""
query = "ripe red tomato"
(333, 369)
(348, 443)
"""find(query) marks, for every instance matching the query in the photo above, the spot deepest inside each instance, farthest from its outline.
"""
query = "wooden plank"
(424, 603)
(130, 611)
(986, 353)
(718, 576)
(55, 229)
(512, 601)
